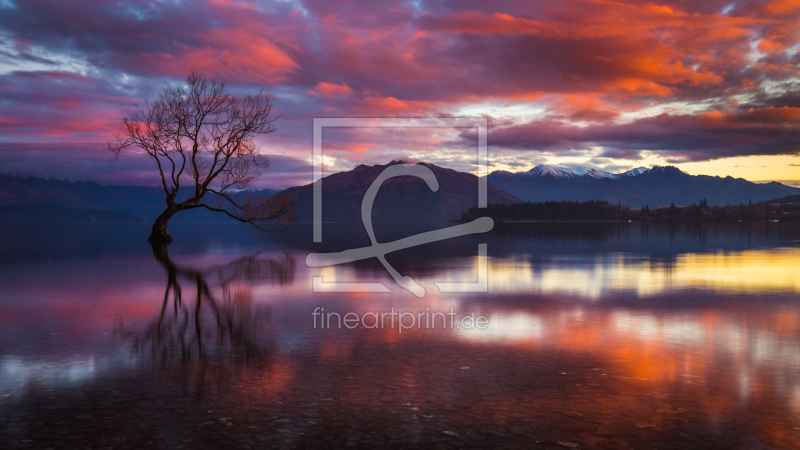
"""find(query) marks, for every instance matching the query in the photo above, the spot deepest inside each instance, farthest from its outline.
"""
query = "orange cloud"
(783, 6)
(768, 46)
(388, 105)
(329, 89)
(356, 148)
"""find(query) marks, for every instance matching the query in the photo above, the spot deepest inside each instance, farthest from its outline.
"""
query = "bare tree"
(204, 132)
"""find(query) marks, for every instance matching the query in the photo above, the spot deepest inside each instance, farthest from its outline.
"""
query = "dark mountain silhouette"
(787, 199)
(400, 199)
(145, 202)
(659, 186)
(31, 213)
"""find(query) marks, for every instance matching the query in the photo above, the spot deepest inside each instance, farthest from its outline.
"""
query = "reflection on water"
(210, 336)
(597, 276)
(607, 336)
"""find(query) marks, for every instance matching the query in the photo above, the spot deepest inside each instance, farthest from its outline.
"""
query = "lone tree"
(204, 132)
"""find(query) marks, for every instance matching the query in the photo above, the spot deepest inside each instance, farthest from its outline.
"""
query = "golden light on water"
(756, 271)
(763, 271)
(744, 272)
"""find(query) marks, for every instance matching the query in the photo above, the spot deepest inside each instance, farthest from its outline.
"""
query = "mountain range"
(408, 199)
(400, 199)
(657, 186)
(144, 202)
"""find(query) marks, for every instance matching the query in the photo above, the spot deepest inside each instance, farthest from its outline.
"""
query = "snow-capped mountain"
(657, 186)
(545, 170)
(598, 174)
(633, 172)
(578, 172)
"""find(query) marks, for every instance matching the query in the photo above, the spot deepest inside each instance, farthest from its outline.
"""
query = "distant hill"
(658, 186)
(145, 202)
(400, 199)
(31, 213)
(787, 199)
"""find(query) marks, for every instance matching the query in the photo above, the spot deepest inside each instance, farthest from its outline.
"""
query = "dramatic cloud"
(618, 81)
(684, 137)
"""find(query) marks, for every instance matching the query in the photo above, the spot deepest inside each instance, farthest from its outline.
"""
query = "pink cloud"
(330, 89)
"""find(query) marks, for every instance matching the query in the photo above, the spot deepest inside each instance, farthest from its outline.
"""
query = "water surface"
(612, 336)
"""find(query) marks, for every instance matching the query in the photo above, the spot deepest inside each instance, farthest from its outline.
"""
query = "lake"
(590, 336)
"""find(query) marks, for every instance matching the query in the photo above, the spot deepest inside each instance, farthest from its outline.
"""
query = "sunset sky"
(711, 86)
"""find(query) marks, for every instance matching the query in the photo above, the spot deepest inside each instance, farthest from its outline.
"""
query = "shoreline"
(630, 221)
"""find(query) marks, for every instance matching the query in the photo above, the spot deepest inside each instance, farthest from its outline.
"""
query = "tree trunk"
(159, 234)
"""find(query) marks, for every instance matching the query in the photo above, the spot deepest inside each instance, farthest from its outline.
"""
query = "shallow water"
(613, 336)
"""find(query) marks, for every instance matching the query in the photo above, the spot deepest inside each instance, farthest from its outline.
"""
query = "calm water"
(612, 336)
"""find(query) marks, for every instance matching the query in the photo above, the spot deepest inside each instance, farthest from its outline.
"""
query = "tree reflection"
(210, 337)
